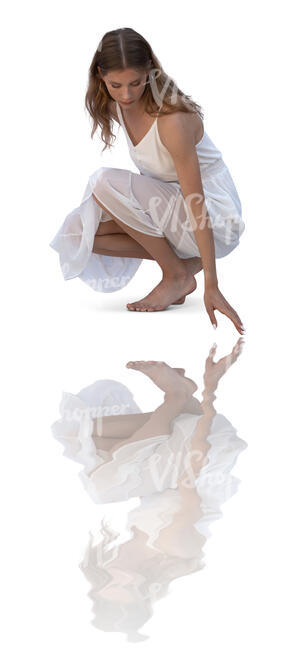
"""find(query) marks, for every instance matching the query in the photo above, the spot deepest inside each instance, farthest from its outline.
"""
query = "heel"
(181, 300)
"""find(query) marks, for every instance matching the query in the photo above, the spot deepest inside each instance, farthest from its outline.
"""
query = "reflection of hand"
(215, 370)
(213, 299)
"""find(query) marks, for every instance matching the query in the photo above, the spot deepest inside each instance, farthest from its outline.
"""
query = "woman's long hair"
(125, 48)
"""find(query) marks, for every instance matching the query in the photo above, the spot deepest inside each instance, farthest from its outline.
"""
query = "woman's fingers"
(233, 316)
(237, 321)
(219, 302)
(212, 316)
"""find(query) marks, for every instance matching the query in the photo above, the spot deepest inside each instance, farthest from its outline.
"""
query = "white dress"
(150, 202)
(149, 468)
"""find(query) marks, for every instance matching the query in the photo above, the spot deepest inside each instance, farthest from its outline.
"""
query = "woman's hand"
(213, 299)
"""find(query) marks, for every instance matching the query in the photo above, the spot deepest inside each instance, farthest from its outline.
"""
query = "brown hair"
(125, 48)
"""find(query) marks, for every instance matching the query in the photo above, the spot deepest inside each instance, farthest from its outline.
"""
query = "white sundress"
(150, 202)
(149, 466)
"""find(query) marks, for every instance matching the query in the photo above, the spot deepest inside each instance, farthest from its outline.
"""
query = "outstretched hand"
(213, 299)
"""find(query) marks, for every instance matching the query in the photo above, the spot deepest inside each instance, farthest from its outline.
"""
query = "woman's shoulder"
(187, 121)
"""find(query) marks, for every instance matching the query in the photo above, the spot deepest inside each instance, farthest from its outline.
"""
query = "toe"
(153, 307)
(157, 308)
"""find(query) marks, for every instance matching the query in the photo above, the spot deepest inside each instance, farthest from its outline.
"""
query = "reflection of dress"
(148, 468)
(152, 203)
(214, 484)
(104, 397)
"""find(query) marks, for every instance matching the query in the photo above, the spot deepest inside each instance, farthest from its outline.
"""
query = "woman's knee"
(107, 176)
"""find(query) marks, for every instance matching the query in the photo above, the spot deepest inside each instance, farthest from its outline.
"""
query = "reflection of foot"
(166, 378)
(181, 371)
(165, 293)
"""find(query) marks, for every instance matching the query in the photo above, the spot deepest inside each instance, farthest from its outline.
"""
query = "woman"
(182, 210)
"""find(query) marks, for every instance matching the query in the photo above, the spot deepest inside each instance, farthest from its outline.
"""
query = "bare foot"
(166, 378)
(165, 293)
(194, 265)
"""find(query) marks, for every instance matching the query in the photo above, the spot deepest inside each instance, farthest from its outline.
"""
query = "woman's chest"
(153, 161)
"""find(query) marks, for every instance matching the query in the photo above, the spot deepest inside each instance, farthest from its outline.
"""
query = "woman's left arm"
(181, 146)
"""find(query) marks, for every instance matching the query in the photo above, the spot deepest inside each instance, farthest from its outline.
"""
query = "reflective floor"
(152, 486)
(177, 460)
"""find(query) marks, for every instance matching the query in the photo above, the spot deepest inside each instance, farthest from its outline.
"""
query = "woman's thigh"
(109, 228)
(142, 202)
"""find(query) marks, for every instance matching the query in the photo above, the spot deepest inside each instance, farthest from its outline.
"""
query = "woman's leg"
(122, 245)
(119, 426)
(160, 421)
(111, 428)
(110, 237)
(109, 227)
(177, 279)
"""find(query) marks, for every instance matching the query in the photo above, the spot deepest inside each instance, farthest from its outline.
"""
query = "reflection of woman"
(129, 453)
(178, 462)
(182, 210)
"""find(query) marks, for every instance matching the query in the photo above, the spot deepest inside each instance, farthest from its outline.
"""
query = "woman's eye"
(135, 83)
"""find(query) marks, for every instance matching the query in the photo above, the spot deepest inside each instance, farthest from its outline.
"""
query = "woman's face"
(125, 86)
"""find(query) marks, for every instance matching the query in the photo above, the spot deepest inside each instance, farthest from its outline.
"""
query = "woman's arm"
(178, 137)
(214, 371)
(188, 172)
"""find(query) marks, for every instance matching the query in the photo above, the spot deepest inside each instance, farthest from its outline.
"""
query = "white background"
(241, 62)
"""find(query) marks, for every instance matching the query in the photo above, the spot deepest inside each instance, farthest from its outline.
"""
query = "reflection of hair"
(125, 48)
(112, 615)
(145, 585)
